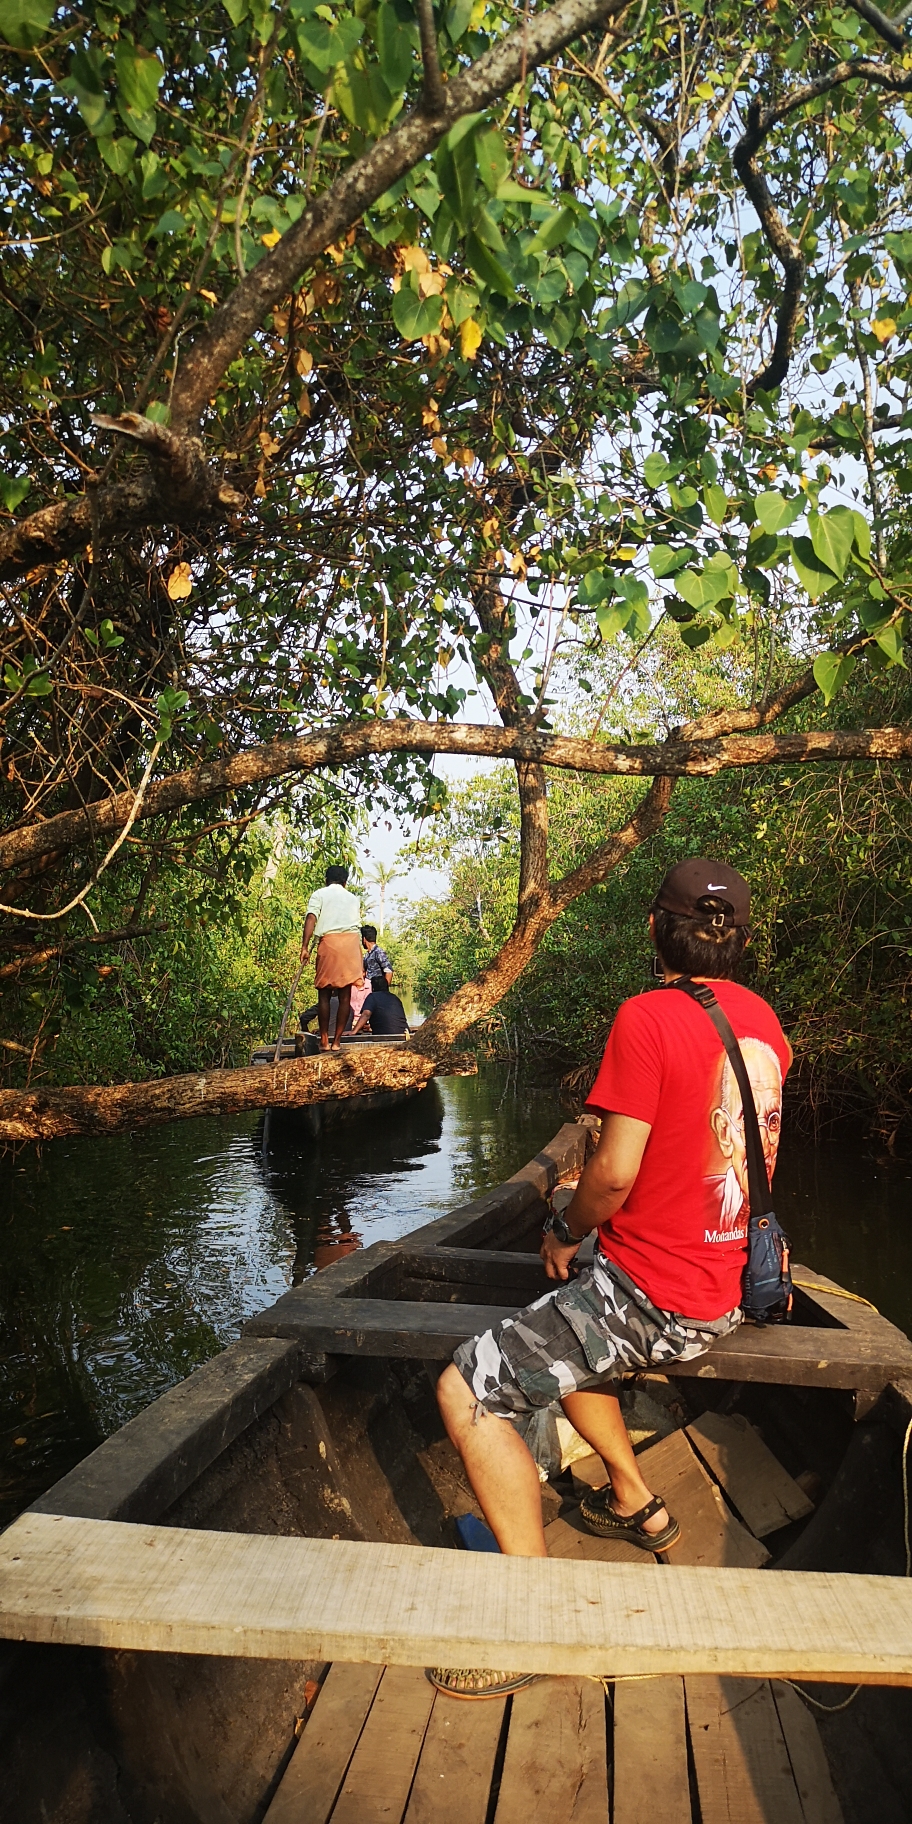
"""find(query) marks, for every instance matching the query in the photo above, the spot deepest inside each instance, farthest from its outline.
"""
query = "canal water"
(127, 1261)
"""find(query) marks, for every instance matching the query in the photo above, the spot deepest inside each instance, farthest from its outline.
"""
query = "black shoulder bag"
(767, 1285)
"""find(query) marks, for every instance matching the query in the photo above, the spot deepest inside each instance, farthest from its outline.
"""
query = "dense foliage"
(626, 345)
(212, 952)
(828, 860)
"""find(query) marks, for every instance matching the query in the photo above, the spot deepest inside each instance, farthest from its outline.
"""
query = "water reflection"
(127, 1261)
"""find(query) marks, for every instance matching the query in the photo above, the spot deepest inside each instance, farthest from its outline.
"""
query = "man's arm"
(361, 1024)
(310, 925)
(603, 1187)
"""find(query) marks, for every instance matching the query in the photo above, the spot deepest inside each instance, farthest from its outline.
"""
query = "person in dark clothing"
(383, 1010)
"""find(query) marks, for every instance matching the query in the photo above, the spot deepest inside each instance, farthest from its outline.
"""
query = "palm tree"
(382, 877)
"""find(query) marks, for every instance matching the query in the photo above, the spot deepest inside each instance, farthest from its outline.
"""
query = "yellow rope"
(807, 1285)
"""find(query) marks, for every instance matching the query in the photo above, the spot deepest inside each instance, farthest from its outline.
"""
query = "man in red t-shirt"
(667, 1192)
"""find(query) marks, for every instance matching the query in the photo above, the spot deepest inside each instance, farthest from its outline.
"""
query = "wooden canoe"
(283, 1124)
(222, 1615)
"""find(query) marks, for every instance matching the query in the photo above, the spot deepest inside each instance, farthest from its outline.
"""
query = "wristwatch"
(555, 1224)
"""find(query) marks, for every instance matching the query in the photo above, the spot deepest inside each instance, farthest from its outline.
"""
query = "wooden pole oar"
(291, 994)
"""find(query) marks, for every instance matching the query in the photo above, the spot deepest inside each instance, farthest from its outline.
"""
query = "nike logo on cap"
(716, 889)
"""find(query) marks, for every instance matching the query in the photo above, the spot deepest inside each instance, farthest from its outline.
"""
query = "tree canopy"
(357, 358)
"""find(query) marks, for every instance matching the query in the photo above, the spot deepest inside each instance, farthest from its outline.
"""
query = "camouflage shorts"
(591, 1330)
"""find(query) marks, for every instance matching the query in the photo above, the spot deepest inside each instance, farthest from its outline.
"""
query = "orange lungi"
(340, 960)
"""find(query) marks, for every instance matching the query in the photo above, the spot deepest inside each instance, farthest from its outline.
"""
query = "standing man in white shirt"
(334, 918)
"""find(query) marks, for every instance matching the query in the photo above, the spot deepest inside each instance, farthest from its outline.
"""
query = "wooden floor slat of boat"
(382, 1748)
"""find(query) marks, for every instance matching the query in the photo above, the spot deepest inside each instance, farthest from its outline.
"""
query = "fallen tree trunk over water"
(56, 1114)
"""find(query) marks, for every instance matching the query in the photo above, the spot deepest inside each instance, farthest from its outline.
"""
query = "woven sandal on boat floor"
(599, 1517)
(454, 1681)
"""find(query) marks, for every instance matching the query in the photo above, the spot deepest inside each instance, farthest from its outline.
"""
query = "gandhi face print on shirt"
(727, 1172)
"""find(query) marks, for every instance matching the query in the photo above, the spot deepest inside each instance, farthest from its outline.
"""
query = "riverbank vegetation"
(827, 855)
(363, 365)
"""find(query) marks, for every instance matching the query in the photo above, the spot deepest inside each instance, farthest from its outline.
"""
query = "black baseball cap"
(691, 881)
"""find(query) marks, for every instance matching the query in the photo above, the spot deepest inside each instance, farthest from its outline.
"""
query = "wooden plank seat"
(340, 1311)
(382, 1747)
(171, 1589)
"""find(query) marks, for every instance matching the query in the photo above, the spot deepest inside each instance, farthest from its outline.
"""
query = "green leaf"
(655, 469)
(23, 22)
(706, 588)
(139, 76)
(715, 500)
(554, 229)
(492, 159)
(775, 511)
(457, 176)
(462, 301)
(832, 536)
(816, 578)
(696, 635)
(862, 534)
(396, 43)
(611, 619)
(415, 317)
(326, 45)
(663, 561)
(13, 489)
(172, 222)
(488, 268)
(890, 641)
(596, 586)
(237, 10)
(362, 95)
(118, 155)
(630, 303)
(831, 671)
(457, 19)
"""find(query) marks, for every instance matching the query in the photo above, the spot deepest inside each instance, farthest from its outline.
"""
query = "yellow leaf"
(268, 444)
(464, 456)
(883, 328)
(469, 339)
(304, 403)
(430, 284)
(430, 416)
(272, 238)
(260, 489)
(303, 363)
(437, 346)
(518, 564)
(438, 445)
(490, 527)
(209, 296)
(414, 259)
(180, 582)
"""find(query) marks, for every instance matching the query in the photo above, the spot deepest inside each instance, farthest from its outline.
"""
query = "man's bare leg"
(499, 1466)
(597, 1418)
(345, 1000)
(324, 997)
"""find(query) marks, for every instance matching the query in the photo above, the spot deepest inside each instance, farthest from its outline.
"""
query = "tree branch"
(760, 122)
(887, 29)
(783, 244)
(680, 756)
(366, 179)
(145, 499)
